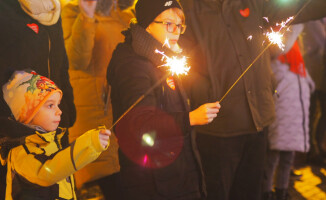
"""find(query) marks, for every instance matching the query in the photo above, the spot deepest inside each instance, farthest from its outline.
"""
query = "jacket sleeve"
(47, 171)
(79, 33)
(277, 11)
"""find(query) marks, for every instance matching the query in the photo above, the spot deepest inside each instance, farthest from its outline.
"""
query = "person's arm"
(47, 170)
(67, 103)
(278, 11)
(79, 33)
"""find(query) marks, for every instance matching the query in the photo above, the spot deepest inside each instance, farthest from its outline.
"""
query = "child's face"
(159, 28)
(49, 115)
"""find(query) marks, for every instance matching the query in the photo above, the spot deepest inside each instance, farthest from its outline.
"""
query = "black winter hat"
(148, 10)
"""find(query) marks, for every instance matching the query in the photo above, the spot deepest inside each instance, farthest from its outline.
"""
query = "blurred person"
(312, 43)
(157, 153)
(289, 133)
(233, 146)
(40, 165)
(31, 35)
(92, 29)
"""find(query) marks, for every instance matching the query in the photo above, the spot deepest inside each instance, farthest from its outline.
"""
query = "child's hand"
(104, 137)
(204, 114)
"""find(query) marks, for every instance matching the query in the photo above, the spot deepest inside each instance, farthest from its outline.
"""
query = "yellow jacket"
(89, 44)
(42, 169)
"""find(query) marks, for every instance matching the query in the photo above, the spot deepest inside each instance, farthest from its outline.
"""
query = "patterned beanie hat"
(26, 92)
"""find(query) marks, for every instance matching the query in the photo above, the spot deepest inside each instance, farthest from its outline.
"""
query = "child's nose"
(59, 112)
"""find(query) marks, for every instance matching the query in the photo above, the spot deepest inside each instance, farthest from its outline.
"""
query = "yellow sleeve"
(83, 151)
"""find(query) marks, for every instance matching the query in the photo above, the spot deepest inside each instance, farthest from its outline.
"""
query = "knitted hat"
(26, 92)
(148, 10)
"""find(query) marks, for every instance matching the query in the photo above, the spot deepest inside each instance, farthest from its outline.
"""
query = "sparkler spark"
(166, 43)
(176, 65)
(249, 37)
(276, 37)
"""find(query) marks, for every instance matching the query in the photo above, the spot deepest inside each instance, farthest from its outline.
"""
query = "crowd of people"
(86, 98)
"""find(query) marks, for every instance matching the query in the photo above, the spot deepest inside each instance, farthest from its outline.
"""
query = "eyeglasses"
(172, 27)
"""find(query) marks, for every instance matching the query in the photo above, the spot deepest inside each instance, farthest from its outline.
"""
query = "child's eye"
(50, 105)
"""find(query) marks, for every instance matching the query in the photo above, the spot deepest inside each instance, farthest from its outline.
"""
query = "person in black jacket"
(158, 156)
(31, 36)
(233, 146)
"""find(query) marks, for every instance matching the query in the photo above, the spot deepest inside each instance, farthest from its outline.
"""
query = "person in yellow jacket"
(40, 166)
(92, 30)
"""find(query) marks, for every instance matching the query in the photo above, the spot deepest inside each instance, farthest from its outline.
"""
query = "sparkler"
(175, 65)
(274, 38)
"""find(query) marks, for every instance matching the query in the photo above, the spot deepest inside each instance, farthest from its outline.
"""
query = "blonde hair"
(180, 14)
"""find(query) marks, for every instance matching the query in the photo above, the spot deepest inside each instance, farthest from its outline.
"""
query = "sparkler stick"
(141, 98)
(245, 72)
(283, 25)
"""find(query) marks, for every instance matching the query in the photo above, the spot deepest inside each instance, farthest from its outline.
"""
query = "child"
(157, 153)
(39, 165)
(290, 130)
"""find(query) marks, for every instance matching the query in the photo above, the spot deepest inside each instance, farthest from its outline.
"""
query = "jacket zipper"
(303, 113)
(49, 68)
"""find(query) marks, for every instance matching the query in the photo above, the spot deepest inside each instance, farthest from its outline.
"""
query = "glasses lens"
(171, 27)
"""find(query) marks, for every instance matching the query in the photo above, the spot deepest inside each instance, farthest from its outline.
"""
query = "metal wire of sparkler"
(140, 98)
(244, 72)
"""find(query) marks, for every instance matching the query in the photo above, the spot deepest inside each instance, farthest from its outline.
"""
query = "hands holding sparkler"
(204, 114)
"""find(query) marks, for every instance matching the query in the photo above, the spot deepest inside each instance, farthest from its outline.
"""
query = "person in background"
(290, 131)
(92, 29)
(233, 146)
(31, 36)
(40, 165)
(313, 47)
(157, 153)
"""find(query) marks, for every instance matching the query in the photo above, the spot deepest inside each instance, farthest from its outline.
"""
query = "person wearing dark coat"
(232, 147)
(157, 153)
(31, 36)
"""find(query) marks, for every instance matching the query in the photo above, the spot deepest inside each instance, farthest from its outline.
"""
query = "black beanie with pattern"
(148, 10)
